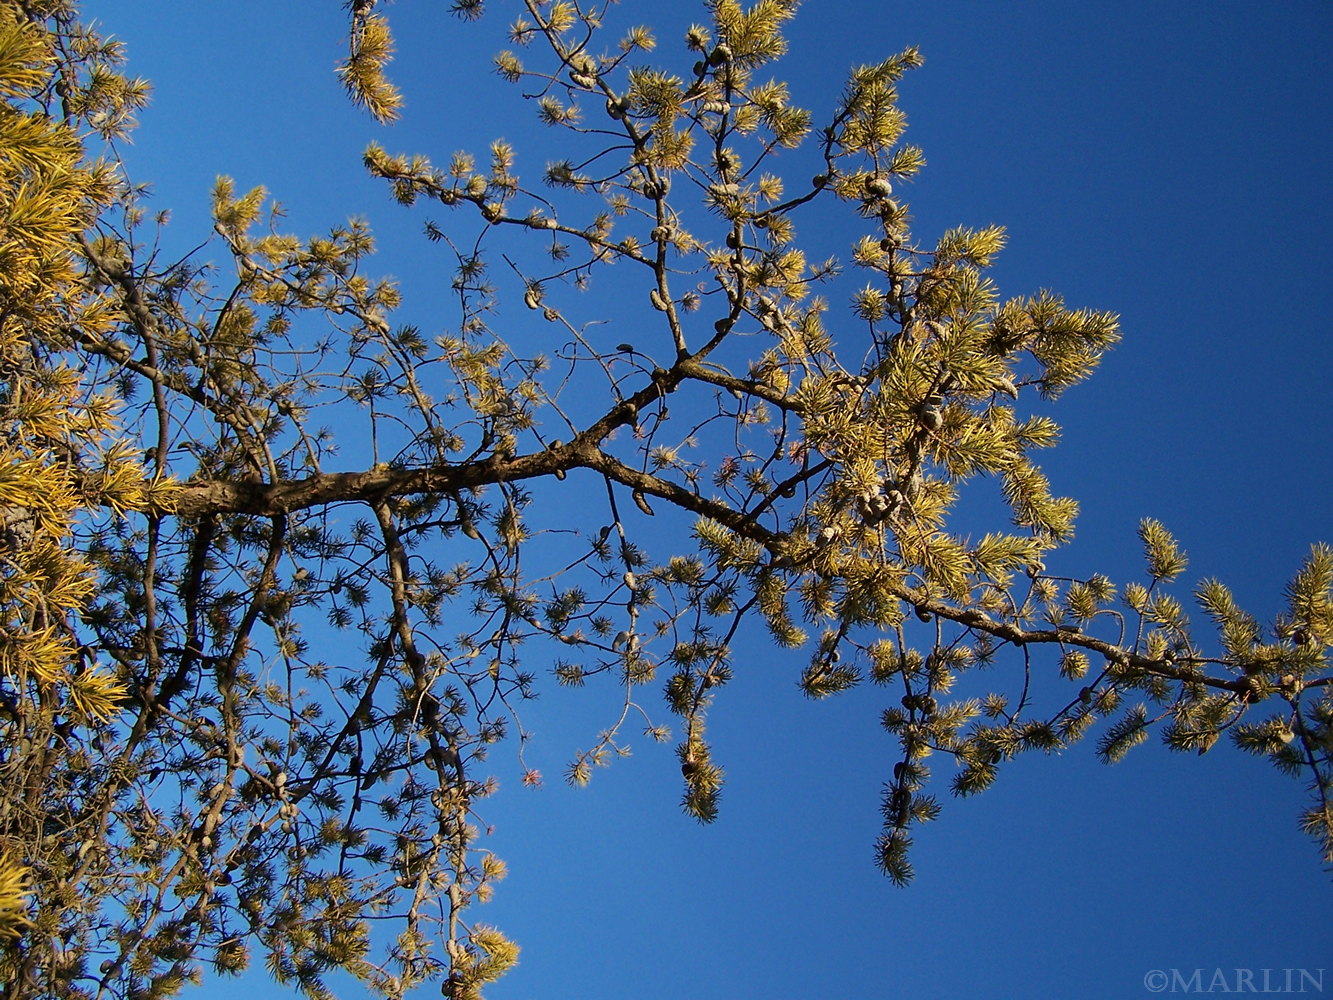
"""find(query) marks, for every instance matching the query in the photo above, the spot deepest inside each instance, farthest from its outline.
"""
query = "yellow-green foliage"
(363, 71)
(60, 456)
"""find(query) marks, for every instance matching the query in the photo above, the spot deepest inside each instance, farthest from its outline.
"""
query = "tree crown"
(194, 768)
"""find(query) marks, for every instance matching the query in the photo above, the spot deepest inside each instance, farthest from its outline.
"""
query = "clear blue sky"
(1168, 161)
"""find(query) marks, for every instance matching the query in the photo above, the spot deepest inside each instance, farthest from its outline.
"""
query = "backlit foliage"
(214, 466)
(61, 462)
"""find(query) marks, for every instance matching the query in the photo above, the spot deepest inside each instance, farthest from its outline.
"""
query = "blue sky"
(1167, 161)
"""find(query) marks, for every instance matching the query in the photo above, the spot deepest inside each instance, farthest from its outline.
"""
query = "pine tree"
(63, 457)
(189, 774)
